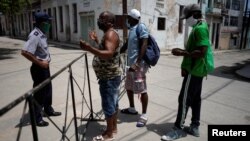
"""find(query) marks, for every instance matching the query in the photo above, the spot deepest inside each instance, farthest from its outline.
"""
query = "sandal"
(141, 122)
(126, 111)
(101, 138)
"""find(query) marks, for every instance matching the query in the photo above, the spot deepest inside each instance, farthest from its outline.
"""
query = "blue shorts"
(109, 90)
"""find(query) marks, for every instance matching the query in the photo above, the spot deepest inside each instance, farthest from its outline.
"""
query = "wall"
(167, 39)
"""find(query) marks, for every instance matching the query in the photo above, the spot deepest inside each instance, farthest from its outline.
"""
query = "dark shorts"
(109, 90)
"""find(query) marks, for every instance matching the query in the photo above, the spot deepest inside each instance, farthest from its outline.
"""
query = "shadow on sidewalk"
(230, 71)
(6, 53)
(160, 129)
(25, 121)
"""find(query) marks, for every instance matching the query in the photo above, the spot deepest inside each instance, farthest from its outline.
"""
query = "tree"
(11, 7)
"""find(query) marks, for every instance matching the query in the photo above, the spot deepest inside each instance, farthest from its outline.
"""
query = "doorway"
(87, 25)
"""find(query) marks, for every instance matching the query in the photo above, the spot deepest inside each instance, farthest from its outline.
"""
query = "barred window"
(236, 5)
(161, 23)
(61, 18)
(233, 21)
(75, 17)
(228, 3)
(226, 21)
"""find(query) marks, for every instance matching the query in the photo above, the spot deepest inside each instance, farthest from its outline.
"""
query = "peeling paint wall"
(168, 9)
(150, 10)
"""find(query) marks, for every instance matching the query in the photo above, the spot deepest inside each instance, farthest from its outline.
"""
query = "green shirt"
(199, 37)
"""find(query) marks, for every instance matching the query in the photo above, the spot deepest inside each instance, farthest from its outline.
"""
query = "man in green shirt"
(194, 67)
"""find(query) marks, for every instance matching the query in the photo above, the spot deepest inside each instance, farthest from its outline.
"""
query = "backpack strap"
(137, 30)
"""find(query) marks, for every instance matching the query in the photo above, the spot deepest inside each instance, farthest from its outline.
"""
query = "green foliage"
(13, 6)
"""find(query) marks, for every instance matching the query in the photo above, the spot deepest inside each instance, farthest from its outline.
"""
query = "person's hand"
(84, 45)
(183, 72)
(134, 67)
(177, 51)
(93, 36)
(44, 64)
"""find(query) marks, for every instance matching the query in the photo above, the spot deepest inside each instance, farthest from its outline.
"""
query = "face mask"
(101, 25)
(45, 27)
(128, 24)
(191, 21)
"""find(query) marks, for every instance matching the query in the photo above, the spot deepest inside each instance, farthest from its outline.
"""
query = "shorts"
(133, 84)
(109, 90)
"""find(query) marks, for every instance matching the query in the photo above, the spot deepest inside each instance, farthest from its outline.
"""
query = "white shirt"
(37, 45)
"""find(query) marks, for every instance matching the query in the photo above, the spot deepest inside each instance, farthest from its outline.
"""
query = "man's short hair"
(110, 16)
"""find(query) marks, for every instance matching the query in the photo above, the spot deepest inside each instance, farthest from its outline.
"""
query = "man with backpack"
(195, 65)
(136, 74)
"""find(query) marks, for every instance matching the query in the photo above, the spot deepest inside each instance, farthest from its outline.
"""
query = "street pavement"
(226, 97)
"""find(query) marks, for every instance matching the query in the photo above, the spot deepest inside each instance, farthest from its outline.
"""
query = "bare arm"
(143, 47)
(33, 59)
(111, 42)
(198, 53)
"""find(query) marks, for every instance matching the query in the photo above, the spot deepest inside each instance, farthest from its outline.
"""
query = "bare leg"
(131, 98)
(109, 131)
(144, 100)
(115, 123)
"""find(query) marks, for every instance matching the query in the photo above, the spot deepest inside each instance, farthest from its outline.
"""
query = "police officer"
(36, 51)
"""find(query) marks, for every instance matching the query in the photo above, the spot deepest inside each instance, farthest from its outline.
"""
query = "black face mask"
(101, 25)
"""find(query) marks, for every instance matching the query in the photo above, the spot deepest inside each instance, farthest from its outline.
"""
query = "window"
(61, 18)
(217, 3)
(228, 3)
(180, 26)
(22, 21)
(159, 5)
(209, 4)
(233, 21)
(75, 18)
(236, 5)
(161, 23)
(226, 21)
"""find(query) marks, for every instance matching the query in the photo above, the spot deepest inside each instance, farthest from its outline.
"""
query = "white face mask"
(191, 21)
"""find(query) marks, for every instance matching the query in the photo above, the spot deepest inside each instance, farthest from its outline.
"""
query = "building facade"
(224, 18)
(73, 19)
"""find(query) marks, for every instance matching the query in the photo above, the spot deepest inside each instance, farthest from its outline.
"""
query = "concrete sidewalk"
(226, 98)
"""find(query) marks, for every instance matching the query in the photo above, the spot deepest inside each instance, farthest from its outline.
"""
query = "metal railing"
(28, 98)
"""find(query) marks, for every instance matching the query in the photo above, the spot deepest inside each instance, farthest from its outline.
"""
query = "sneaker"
(192, 130)
(176, 133)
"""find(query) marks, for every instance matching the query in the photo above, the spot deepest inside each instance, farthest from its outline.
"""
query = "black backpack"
(152, 53)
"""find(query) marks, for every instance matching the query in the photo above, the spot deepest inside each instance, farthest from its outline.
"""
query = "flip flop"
(101, 138)
(141, 122)
(126, 111)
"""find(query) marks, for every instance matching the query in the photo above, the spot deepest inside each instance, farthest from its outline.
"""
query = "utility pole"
(243, 26)
(248, 24)
(12, 19)
(124, 12)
